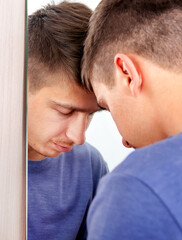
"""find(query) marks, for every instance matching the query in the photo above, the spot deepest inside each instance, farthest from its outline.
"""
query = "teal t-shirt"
(60, 191)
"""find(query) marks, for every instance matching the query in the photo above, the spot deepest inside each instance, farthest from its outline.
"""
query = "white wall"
(102, 132)
(33, 5)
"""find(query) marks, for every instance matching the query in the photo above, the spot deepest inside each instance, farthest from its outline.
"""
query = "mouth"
(61, 148)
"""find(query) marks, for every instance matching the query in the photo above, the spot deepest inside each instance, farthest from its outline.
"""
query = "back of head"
(55, 41)
(149, 28)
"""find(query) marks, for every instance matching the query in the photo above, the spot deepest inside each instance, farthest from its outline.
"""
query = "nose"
(126, 143)
(76, 129)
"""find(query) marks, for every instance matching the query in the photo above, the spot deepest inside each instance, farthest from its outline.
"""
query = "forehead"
(101, 91)
(41, 75)
(68, 94)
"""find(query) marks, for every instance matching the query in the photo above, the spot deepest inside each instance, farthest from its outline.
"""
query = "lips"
(62, 148)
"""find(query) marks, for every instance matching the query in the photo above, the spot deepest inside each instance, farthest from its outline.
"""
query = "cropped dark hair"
(55, 41)
(149, 28)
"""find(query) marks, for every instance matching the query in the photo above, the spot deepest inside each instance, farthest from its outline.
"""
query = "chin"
(49, 153)
(41, 152)
(52, 154)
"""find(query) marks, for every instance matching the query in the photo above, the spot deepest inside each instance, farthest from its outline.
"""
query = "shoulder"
(146, 184)
(91, 154)
(161, 160)
(126, 207)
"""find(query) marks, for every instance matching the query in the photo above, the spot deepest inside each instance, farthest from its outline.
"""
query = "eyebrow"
(72, 107)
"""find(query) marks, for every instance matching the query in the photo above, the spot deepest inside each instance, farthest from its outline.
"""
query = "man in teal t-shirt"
(63, 176)
(133, 63)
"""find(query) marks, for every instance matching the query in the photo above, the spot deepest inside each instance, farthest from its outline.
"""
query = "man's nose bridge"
(77, 128)
(80, 124)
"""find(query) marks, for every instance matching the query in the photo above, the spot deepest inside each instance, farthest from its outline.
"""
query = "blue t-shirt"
(142, 198)
(60, 191)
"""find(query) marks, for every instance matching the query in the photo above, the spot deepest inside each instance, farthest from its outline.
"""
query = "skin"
(58, 116)
(144, 100)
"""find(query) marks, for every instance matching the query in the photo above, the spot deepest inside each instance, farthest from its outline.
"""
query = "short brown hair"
(149, 28)
(55, 41)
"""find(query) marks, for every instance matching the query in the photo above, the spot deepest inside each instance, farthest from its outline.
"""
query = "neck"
(169, 103)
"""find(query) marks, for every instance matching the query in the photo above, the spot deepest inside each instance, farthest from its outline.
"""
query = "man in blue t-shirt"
(133, 63)
(62, 176)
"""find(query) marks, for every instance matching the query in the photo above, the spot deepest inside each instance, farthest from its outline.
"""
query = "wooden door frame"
(12, 120)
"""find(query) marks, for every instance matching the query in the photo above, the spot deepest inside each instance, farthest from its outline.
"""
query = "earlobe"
(128, 68)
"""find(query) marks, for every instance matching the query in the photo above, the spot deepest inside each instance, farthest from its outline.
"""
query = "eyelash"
(65, 114)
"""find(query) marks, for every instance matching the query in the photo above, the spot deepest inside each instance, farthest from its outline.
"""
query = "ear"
(126, 67)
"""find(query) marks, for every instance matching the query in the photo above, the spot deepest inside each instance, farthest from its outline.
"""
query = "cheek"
(120, 126)
(56, 125)
(44, 125)
(122, 121)
(47, 127)
(117, 114)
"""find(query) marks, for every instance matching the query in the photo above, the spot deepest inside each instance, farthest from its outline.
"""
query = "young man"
(62, 177)
(133, 62)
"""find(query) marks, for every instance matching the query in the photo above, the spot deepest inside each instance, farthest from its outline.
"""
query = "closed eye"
(65, 113)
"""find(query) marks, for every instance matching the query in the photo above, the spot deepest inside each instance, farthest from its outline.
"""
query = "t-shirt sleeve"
(125, 208)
